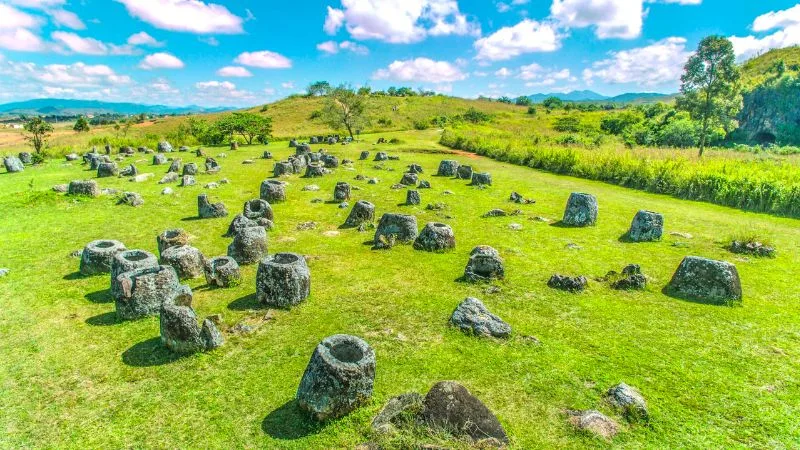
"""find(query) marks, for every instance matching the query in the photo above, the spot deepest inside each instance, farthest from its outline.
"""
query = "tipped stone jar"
(435, 237)
(581, 210)
(283, 280)
(187, 261)
(362, 212)
(126, 261)
(98, 256)
(273, 191)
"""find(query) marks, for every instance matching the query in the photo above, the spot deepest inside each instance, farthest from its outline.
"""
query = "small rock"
(167, 191)
(450, 406)
(305, 226)
(496, 213)
(629, 402)
(61, 188)
(594, 422)
(131, 199)
(142, 177)
(569, 284)
(169, 178)
(515, 227)
(4, 272)
(398, 412)
(311, 188)
(472, 316)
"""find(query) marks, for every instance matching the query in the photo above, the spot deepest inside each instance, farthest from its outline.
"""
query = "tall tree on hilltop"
(710, 89)
(345, 108)
(37, 133)
(318, 88)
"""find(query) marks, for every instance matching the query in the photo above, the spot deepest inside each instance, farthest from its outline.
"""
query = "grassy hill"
(759, 69)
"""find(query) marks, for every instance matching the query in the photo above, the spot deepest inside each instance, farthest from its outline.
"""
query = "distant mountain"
(591, 96)
(53, 106)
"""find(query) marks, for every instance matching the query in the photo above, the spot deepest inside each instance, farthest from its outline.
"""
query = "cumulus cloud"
(422, 70)
(221, 93)
(191, 16)
(77, 75)
(234, 71)
(14, 19)
(399, 21)
(264, 60)
(611, 18)
(528, 36)
(503, 72)
(142, 38)
(67, 19)
(161, 61)
(660, 63)
(787, 24)
(21, 40)
(332, 47)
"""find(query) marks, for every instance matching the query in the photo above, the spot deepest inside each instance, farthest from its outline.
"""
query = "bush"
(680, 133)
(385, 122)
(420, 125)
(315, 115)
(618, 123)
(569, 124)
(474, 116)
(532, 110)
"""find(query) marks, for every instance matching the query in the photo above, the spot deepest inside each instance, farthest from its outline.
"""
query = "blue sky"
(247, 52)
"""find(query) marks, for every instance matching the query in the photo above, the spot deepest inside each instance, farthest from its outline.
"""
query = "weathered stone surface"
(258, 209)
(61, 188)
(398, 412)
(481, 179)
(706, 280)
(423, 184)
(581, 210)
(447, 168)
(399, 227)
(435, 237)
(159, 159)
(13, 164)
(222, 271)
(141, 178)
(631, 279)
(169, 178)
(126, 261)
(283, 280)
(464, 172)
(143, 291)
(362, 212)
(190, 169)
(752, 248)
(188, 180)
(628, 402)
(249, 245)
(171, 238)
(131, 199)
(282, 168)
(338, 379)
(89, 188)
(451, 407)
(187, 261)
(273, 191)
(472, 316)
(212, 166)
(315, 170)
(342, 191)
(495, 213)
(409, 179)
(330, 161)
(381, 156)
(566, 283)
(129, 171)
(594, 422)
(207, 210)
(484, 264)
(413, 198)
(164, 147)
(176, 165)
(107, 169)
(293, 143)
(647, 226)
(415, 168)
(298, 163)
(364, 155)
(266, 155)
(72, 157)
(25, 157)
(234, 145)
(98, 255)
(181, 333)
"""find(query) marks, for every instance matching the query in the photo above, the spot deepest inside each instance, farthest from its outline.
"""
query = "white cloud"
(611, 18)
(222, 93)
(211, 40)
(21, 40)
(75, 75)
(161, 61)
(234, 71)
(14, 19)
(288, 85)
(502, 72)
(77, 44)
(777, 19)
(332, 47)
(422, 70)
(67, 19)
(399, 21)
(191, 16)
(527, 36)
(660, 63)
(787, 23)
(142, 38)
(264, 60)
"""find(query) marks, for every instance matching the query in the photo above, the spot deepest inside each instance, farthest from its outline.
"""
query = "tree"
(505, 100)
(81, 125)
(37, 132)
(249, 126)
(364, 90)
(318, 88)
(523, 101)
(552, 103)
(710, 90)
(345, 108)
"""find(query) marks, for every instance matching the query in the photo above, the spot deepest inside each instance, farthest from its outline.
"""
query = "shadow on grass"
(289, 422)
(73, 276)
(626, 238)
(246, 303)
(104, 320)
(669, 292)
(191, 219)
(103, 296)
(149, 353)
(562, 224)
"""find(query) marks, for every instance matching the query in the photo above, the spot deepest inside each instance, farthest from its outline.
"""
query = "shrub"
(474, 116)
(420, 125)
(532, 110)
(315, 115)
(681, 133)
(385, 122)
(569, 124)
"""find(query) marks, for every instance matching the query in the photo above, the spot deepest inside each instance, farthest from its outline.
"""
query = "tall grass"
(761, 184)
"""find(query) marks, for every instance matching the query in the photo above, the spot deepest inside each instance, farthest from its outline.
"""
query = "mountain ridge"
(66, 107)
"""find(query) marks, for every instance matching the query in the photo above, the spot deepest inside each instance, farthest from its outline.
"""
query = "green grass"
(72, 377)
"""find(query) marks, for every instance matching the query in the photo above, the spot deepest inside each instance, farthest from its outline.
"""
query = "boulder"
(171, 177)
(212, 166)
(181, 333)
(628, 402)
(364, 155)
(190, 169)
(341, 192)
(164, 147)
(450, 407)
(293, 143)
(298, 163)
(207, 210)
(481, 179)
(187, 261)
(398, 412)
(362, 212)
(249, 245)
(424, 185)
(409, 179)
(234, 145)
(581, 210)
(183, 148)
(131, 199)
(223, 272)
(415, 168)
(381, 156)
(413, 198)
(126, 261)
(751, 247)
(176, 165)
(61, 188)
(399, 227)
(447, 168)
(435, 237)
(25, 157)
(188, 180)
(594, 422)
(631, 279)
(706, 280)
(107, 169)
(338, 379)
(282, 168)
(13, 164)
(88, 188)
(159, 159)
(258, 209)
(98, 256)
(130, 171)
(647, 226)
(72, 157)
(273, 191)
(315, 170)
(484, 264)
(143, 291)
(171, 238)
(471, 316)
(240, 222)
(283, 280)
(464, 172)
(266, 155)
(566, 283)
(330, 161)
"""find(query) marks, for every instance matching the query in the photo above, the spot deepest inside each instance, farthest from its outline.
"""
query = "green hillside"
(761, 68)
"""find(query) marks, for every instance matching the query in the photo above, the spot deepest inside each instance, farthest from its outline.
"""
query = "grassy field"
(74, 377)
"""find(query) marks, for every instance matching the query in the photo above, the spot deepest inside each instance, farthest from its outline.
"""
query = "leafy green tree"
(532, 110)
(249, 126)
(680, 133)
(523, 101)
(364, 90)
(474, 116)
(318, 88)
(81, 125)
(710, 90)
(345, 108)
(552, 103)
(617, 123)
(505, 100)
(37, 131)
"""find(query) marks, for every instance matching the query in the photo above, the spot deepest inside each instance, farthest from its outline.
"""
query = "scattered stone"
(423, 184)
(448, 168)
(398, 186)
(293, 143)
(130, 171)
(266, 155)
(481, 179)
(484, 264)
(496, 213)
(409, 179)
(341, 192)
(364, 155)
(398, 412)
(273, 191)
(573, 246)
(249, 245)
(72, 157)
(339, 378)
(13, 164)
(362, 212)
(464, 172)
(472, 316)
(344, 205)
(98, 255)
(234, 145)
(451, 407)
(107, 169)
(436, 207)
(401, 227)
(647, 226)
(183, 148)
(381, 156)
(187, 261)
(61, 188)
(628, 402)
(212, 166)
(171, 238)
(581, 210)
(207, 210)
(415, 168)
(126, 261)
(167, 191)
(211, 185)
(143, 291)
(169, 178)
(435, 237)
(282, 168)
(413, 198)
(681, 235)
(752, 248)
(315, 170)
(569, 284)
(25, 157)
(518, 198)
(188, 180)
(224, 181)
(176, 165)
(706, 280)
(141, 178)
(181, 333)
(159, 159)
(223, 272)
(515, 227)
(594, 422)
(632, 279)
(4, 272)
(331, 162)
(310, 188)
(283, 280)
(306, 226)
(109, 191)
(131, 199)
(164, 147)
(394, 158)
(373, 181)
